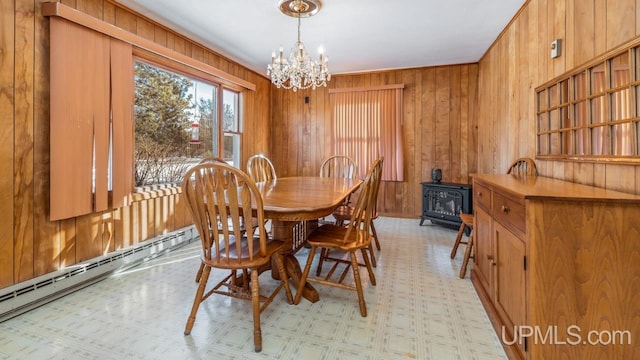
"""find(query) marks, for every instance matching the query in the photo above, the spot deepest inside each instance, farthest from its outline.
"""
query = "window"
(366, 123)
(231, 126)
(593, 112)
(176, 124)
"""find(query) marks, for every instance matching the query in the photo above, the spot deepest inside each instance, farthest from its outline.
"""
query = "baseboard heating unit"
(22, 297)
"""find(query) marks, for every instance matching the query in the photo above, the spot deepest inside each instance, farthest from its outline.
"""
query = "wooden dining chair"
(355, 237)
(243, 228)
(523, 166)
(260, 168)
(344, 212)
(339, 166)
(221, 197)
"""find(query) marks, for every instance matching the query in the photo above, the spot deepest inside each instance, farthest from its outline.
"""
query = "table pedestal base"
(283, 231)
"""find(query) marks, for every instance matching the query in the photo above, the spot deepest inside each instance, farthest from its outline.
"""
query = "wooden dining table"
(288, 201)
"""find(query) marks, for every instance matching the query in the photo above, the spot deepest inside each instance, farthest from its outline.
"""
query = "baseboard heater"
(22, 297)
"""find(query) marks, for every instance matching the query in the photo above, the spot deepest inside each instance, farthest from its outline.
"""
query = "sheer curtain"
(366, 123)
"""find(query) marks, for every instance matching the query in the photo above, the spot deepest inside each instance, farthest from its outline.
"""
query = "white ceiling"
(357, 35)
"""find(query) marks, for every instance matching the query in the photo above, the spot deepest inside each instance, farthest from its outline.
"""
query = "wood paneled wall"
(30, 244)
(520, 60)
(439, 129)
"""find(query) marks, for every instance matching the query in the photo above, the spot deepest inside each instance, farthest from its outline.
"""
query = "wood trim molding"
(367, 88)
(78, 17)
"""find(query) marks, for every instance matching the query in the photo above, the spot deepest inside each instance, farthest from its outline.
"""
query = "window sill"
(154, 192)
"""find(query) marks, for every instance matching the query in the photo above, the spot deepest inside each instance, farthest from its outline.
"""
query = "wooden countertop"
(539, 187)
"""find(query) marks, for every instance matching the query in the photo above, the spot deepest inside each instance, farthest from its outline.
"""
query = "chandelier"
(299, 71)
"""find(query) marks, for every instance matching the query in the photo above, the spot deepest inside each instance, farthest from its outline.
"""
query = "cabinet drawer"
(509, 212)
(482, 196)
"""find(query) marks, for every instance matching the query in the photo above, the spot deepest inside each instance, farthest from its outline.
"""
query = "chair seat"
(230, 262)
(467, 219)
(333, 236)
(344, 212)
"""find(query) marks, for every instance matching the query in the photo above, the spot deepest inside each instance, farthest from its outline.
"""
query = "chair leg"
(375, 235)
(323, 255)
(373, 256)
(255, 300)
(458, 240)
(199, 273)
(467, 255)
(372, 276)
(198, 299)
(305, 274)
(356, 278)
(284, 277)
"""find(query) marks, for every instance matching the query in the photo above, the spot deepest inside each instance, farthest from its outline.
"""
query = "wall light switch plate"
(555, 48)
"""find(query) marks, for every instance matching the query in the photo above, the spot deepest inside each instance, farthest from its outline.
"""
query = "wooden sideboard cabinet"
(557, 267)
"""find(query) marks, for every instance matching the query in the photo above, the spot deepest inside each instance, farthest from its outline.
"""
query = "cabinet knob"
(479, 193)
(505, 209)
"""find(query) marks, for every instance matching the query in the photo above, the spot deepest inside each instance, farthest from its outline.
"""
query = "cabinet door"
(483, 256)
(510, 282)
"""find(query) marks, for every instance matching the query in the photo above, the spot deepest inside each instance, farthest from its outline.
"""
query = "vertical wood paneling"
(513, 92)
(125, 20)
(416, 156)
(559, 32)
(472, 125)
(583, 50)
(23, 142)
(88, 243)
(7, 108)
(48, 254)
(146, 29)
(108, 238)
(93, 8)
(441, 130)
(455, 147)
(410, 121)
(600, 26)
(439, 106)
(464, 126)
(428, 114)
(63, 243)
(621, 22)
(569, 37)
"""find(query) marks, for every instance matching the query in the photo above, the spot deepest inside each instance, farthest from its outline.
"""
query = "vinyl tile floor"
(419, 309)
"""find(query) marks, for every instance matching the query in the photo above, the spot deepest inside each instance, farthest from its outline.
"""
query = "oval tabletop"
(304, 197)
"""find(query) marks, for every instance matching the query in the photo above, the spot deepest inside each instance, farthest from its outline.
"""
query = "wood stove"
(442, 203)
